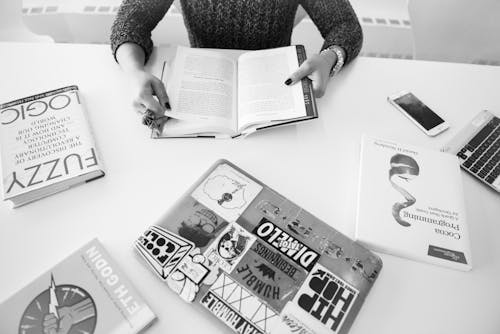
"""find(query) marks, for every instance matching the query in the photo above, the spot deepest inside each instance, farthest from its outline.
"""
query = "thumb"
(303, 71)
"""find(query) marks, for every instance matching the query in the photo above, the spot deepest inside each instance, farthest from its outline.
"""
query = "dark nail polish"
(288, 82)
(167, 105)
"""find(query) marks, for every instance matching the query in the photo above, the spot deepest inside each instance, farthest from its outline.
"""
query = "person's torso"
(239, 24)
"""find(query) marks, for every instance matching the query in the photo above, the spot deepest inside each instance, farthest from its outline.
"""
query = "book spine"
(38, 96)
(118, 288)
(309, 100)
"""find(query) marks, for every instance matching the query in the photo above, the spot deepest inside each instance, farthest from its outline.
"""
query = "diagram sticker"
(227, 192)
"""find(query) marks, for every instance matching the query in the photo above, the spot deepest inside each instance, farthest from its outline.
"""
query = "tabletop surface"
(314, 164)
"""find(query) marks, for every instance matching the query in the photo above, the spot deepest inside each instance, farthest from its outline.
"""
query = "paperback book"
(87, 293)
(411, 204)
(46, 145)
(232, 93)
(257, 261)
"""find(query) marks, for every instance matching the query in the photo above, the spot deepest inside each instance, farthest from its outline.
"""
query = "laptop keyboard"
(481, 154)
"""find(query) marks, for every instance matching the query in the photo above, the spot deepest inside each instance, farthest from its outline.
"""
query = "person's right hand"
(144, 88)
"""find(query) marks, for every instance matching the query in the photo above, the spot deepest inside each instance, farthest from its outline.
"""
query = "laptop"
(478, 148)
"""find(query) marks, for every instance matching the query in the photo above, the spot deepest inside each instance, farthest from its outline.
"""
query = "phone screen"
(419, 111)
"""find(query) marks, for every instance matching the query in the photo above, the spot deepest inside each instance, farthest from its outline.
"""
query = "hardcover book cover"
(257, 261)
(46, 145)
(87, 293)
(411, 204)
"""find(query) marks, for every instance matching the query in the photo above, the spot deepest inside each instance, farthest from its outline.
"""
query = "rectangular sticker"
(265, 280)
(293, 249)
(238, 308)
(229, 247)
(227, 192)
(326, 297)
(187, 277)
(162, 249)
(446, 254)
(296, 321)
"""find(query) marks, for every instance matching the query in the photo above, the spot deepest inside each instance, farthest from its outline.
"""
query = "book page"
(203, 87)
(263, 97)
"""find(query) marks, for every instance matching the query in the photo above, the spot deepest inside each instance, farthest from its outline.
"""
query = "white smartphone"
(420, 114)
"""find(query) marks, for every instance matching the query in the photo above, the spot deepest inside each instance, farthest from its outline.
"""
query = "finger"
(139, 107)
(319, 83)
(319, 87)
(151, 103)
(49, 321)
(161, 93)
(303, 71)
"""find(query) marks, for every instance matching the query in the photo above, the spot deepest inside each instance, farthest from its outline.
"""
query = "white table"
(315, 164)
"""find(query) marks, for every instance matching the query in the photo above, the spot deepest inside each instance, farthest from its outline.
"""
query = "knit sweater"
(239, 24)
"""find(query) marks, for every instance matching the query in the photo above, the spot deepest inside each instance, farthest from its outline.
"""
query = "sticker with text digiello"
(227, 192)
(292, 248)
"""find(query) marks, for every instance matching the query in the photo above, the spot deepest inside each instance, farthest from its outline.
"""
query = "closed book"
(87, 293)
(411, 204)
(46, 145)
(257, 261)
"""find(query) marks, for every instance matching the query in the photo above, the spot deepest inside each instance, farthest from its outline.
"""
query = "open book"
(228, 93)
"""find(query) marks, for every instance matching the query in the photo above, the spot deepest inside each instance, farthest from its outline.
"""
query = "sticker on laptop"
(286, 244)
(162, 249)
(228, 249)
(227, 192)
(326, 297)
(265, 273)
(238, 308)
(189, 274)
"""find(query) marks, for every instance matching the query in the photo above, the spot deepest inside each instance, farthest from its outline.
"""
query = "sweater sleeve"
(134, 22)
(337, 23)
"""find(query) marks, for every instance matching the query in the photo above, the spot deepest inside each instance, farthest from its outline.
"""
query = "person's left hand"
(317, 68)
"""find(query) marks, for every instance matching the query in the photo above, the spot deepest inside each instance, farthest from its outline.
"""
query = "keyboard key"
(467, 164)
(490, 179)
(481, 135)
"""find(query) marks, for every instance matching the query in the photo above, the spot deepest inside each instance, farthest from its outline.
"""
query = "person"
(232, 24)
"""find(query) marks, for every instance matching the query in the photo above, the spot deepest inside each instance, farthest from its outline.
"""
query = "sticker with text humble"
(265, 273)
(292, 248)
(162, 249)
(227, 192)
(228, 249)
(238, 308)
(326, 297)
